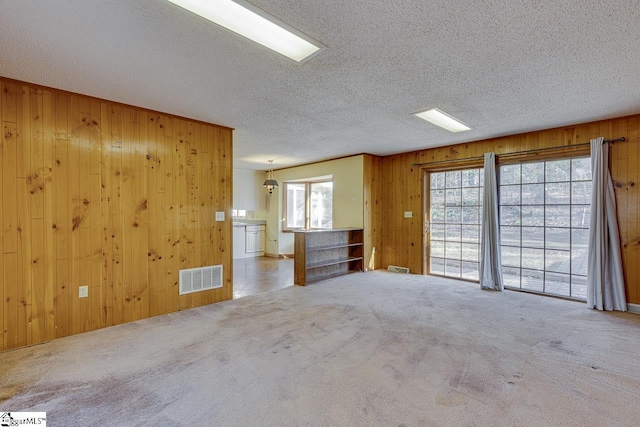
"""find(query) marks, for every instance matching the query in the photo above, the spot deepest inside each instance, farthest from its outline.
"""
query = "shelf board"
(333, 262)
(331, 276)
(341, 245)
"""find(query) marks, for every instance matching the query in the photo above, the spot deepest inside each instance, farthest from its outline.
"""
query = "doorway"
(261, 274)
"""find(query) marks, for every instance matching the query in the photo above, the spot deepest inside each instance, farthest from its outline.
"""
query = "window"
(308, 204)
(455, 218)
(544, 225)
(238, 214)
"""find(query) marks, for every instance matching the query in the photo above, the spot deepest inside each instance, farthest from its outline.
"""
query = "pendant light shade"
(270, 182)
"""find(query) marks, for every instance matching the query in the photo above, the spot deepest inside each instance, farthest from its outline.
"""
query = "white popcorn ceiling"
(501, 66)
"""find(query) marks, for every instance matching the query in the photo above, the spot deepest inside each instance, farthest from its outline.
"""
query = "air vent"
(200, 279)
(396, 269)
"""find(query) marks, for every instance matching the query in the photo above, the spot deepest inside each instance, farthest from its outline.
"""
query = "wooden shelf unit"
(322, 254)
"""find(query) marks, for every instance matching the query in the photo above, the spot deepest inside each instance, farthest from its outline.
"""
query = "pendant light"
(270, 182)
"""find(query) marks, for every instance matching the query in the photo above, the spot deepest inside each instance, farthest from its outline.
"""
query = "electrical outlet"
(219, 216)
(83, 292)
(408, 214)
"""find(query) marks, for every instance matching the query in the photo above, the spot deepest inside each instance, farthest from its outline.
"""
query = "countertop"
(245, 222)
(325, 230)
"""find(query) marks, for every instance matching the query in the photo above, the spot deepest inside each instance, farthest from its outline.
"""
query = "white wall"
(348, 198)
(248, 192)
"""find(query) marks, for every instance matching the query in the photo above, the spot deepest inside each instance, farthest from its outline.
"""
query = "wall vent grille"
(200, 279)
(396, 269)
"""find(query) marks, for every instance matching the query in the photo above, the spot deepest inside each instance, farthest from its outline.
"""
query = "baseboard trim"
(633, 308)
(279, 256)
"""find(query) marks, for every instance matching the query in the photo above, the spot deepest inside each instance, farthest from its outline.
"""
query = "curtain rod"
(515, 153)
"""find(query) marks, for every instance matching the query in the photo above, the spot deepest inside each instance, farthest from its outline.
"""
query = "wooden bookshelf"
(322, 254)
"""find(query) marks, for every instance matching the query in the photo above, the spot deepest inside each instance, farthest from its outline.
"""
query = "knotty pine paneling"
(402, 238)
(109, 196)
(372, 198)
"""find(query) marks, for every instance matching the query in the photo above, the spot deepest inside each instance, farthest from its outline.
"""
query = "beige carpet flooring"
(369, 349)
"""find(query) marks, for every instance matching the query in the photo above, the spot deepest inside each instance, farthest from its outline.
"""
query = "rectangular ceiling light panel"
(250, 22)
(444, 120)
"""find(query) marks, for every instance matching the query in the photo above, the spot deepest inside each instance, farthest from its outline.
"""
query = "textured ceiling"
(501, 66)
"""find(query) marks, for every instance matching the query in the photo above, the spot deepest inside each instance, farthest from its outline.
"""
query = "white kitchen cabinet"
(239, 250)
(255, 239)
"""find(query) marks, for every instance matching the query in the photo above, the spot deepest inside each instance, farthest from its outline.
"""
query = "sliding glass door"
(544, 225)
(454, 231)
(544, 217)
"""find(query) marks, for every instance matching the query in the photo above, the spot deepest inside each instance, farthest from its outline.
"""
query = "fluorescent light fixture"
(442, 119)
(247, 20)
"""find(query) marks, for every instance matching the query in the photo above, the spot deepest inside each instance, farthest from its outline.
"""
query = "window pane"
(511, 277)
(470, 252)
(558, 216)
(452, 250)
(471, 178)
(437, 249)
(437, 180)
(581, 169)
(532, 172)
(533, 237)
(454, 215)
(558, 170)
(509, 174)
(580, 216)
(509, 194)
(471, 215)
(532, 280)
(533, 194)
(579, 239)
(471, 233)
(510, 215)
(454, 179)
(321, 209)
(579, 251)
(558, 284)
(557, 193)
(453, 197)
(557, 261)
(453, 232)
(581, 193)
(452, 268)
(557, 238)
(579, 287)
(470, 196)
(437, 214)
(533, 216)
(470, 270)
(437, 231)
(510, 235)
(437, 266)
(510, 256)
(533, 258)
(295, 202)
(437, 198)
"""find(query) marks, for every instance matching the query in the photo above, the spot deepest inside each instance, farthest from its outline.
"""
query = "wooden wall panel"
(109, 196)
(372, 197)
(402, 239)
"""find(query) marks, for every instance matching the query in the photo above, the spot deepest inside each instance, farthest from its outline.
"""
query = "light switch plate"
(83, 292)
(219, 216)
(408, 214)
